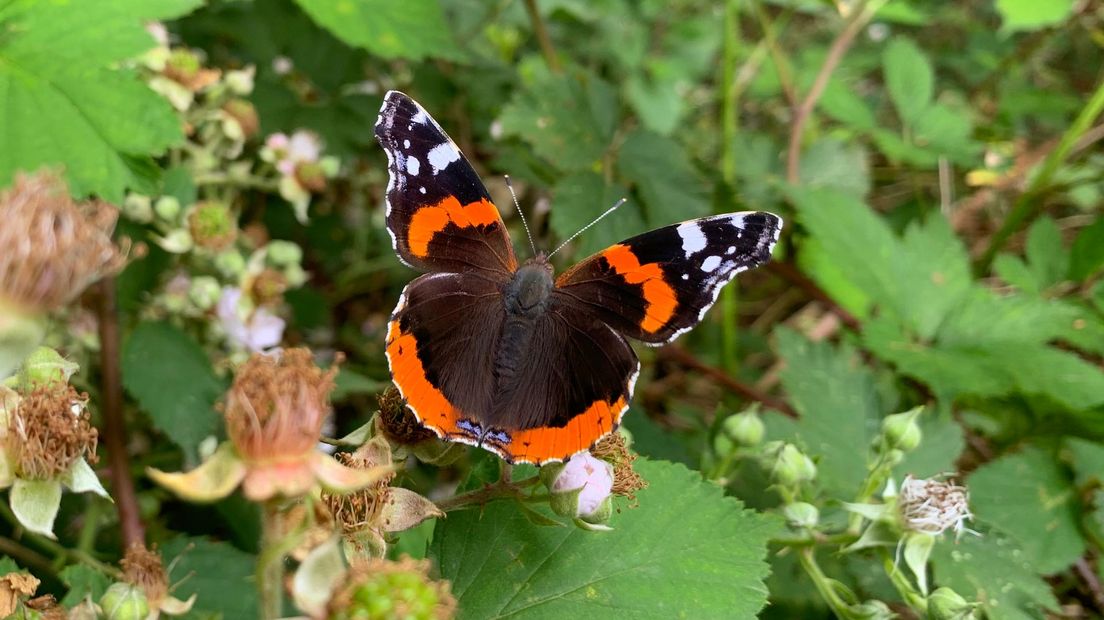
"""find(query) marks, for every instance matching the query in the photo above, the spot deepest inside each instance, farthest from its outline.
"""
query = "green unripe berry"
(123, 601)
(946, 604)
(746, 429)
(901, 431)
(792, 467)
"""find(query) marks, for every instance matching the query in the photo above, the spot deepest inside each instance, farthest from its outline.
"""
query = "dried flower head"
(932, 506)
(213, 226)
(49, 430)
(360, 509)
(142, 567)
(612, 449)
(185, 68)
(277, 404)
(53, 247)
(403, 589)
(268, 286)
(397, 422)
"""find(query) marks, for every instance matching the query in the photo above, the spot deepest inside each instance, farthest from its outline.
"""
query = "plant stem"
(1029, 204)
(914, 599)
(822, 583)
(122, 487)
(270, 562)
(685, 358)
(59, 550)
(543, 39)
(491, 492)
(860, 15)
(27, 557)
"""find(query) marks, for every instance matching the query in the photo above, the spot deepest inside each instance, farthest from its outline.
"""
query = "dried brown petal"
(612, 449)
(53, 247)
(49, 430)
(143, 568)
(13, 587)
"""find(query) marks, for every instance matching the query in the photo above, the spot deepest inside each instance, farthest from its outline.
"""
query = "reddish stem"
(114, 436)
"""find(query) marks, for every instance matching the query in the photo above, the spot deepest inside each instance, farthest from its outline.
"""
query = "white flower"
(256, 330)
(932, 506)
(594, 476)
(282, 65)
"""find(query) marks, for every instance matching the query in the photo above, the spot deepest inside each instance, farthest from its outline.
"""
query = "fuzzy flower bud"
(52, 247)
(792, 467)
(283, 253)
(382, 589)
(801, 515)
(901, 431)
(745, 429)
(138, 208)
(244, 114)
(204, 292)
(946, 604)
(931, 506)
(123, 601)
(184, 67)
(167, 208)
(580, 487)
(48, 431)
(44, 367)
(213, 226)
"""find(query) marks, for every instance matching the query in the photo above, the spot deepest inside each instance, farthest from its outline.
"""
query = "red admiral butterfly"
(531, 367)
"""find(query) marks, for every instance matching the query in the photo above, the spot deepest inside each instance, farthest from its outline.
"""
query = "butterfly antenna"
(510, 186)
(596, 220)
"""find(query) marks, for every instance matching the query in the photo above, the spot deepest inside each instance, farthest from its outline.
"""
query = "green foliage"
(550, 572)
(69, 105)
(84, 582)
(415, 29)
(219, 575)
(992, 569)
(172, 379)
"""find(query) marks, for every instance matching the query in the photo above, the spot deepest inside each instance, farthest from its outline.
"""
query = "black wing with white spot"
(439, 214)
(658, 285)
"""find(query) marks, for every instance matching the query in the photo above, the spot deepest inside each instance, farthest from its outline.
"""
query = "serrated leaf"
(1087, 253)
(172, 379)
(685, 551)
(70, 105)
(1029, 497)
(992, 570)
(219, 575)
(909, 78)
(939, 449)
(580, 197)
(838, 406)
(841, 103)
(659, 169)
(834, 163)
(1047, 256)
(83, 581)
(565, 118)
(413, 29)
(1031, 14)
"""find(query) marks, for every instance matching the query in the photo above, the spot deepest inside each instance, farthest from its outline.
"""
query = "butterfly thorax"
(527, 296)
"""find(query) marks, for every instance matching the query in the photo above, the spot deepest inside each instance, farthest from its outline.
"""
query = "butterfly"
(531, 366)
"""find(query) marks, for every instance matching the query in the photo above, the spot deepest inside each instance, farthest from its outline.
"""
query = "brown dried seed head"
(397, 422)
(143, 568)
(213, 226)
(49, 430)
(358, 510)
(268, 286)
(626, 482)
(277, 405)
(53, 247)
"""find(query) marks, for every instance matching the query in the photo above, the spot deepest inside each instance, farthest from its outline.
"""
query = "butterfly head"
(528, 292)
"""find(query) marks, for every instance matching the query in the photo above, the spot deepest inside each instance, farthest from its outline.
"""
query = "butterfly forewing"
(439, 214)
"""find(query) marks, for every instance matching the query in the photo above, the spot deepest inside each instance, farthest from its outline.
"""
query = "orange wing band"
(540, 445)
(430, 220)
(658, 295)
(428, 403)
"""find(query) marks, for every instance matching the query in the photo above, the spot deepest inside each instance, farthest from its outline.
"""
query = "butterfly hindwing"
(657, 285)
(439, 213)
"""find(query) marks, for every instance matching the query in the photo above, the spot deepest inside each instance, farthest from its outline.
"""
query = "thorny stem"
(860, 15)
(499, 490)
(545, 41)
(122, 487)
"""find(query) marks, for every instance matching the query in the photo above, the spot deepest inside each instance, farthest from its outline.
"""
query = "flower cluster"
(302, 168)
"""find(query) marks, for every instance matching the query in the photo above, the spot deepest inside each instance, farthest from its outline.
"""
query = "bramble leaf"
(654, 564)
(413, 29)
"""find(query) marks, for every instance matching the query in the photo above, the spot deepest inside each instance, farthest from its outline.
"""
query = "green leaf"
(71, 105)
(565, 118)
(1028, 496)
(580, 197)
(1015, 272)
(662, 174)
(1086, 458)
(83, 581)
(1047, 256)
(685, 551)
(939, 449)
(221, 576)
(1087, 253)
(413, 29)
(35, 503)
(834, 163)
(909, 78)
(1031, 14)
(8, 565)
(172, 379)
(838, 406)
(992, 570)
(841, 103)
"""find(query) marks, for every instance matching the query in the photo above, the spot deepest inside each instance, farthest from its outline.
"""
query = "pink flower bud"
(589, 478)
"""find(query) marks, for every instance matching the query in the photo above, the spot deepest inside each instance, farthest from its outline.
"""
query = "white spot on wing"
(442, 155)
(685, 276)
(421, 117)
(731, 249)
(421, 190)
(711, 263)
(413, 166)
(406, 144)
(693, 239)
